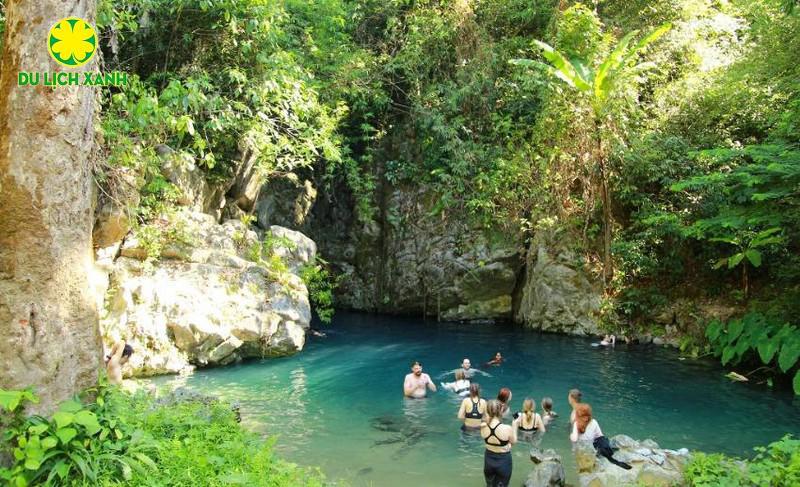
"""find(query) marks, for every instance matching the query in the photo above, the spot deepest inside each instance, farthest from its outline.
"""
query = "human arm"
(573, 437)
(512, 437)
(542, 425)
(462, 411)
(430, 383)
(485, 374)
(116, 351)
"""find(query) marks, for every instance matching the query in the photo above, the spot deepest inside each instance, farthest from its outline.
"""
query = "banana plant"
(747, 251)
(599, 85)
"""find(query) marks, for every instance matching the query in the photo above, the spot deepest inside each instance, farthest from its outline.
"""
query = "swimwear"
(492, 433)
(475, 413)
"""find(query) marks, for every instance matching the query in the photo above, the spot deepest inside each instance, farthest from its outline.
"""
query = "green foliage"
(320, 286)
(777, 464)
(119, 439)
(757, 338)
(83, 442)
(265, 254)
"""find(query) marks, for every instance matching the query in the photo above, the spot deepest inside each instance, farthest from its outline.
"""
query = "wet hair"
(415, 363)
(474, 390)
(583, 416)
(575, 394)
(504, 395)
(494, 409)
(127, 351)
(528, 406)
(547, 404)
(460, 375)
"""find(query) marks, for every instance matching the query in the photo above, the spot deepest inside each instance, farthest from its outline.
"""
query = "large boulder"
(556, 294)
(285, 200)
(211, 298)
(548, 470)
(651, 465)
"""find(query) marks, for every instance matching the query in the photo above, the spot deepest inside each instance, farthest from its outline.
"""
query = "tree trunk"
(608, 264)
(49, 336)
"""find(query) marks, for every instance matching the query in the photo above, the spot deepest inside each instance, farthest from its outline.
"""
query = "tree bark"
(49, 336)
(608, 264)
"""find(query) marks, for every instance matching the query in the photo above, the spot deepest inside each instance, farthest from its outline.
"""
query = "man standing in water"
(416, 382)
(119, 355)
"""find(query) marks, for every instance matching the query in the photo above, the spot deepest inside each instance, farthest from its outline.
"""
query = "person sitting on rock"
(496, 361)
(548, 415)
(585, 428)
(460, 386)
(472, 409)
(529, 420)
(573, 398)
(119, 355)
(416, 382)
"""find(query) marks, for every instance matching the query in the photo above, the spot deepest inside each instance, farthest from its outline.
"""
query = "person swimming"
(608, 340)
(548, 415)
(496, 361)
(416, 382)
(529, 420)
(469, 372)
(472, 409)
(460, 386)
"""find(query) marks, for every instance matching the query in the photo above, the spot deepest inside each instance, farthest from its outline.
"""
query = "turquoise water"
(338, 404)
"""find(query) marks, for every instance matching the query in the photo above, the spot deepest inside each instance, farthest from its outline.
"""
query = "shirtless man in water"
(119, 355)
(416, 382)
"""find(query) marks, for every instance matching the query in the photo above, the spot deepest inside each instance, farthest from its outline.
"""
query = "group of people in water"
(486, 418)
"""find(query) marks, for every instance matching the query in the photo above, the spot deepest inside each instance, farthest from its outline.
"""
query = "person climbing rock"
(119, 355)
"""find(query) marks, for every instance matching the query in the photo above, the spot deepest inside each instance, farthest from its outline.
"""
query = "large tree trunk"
(49, 336)
(605, 196)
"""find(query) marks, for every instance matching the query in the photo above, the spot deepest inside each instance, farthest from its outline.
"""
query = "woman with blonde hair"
(498, 438)
(529, 420)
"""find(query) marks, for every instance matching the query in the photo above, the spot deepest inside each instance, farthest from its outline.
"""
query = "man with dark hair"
(119, 355)
(416, 382)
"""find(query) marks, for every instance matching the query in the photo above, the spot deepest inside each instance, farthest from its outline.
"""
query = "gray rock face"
(556, 295)
(651, 464)
(286, 201)
(204, 303)
(548, 472)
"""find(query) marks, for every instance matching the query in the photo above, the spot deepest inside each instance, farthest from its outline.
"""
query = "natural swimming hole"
(338, 405)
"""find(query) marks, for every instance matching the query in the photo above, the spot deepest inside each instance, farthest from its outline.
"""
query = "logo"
(72, 42)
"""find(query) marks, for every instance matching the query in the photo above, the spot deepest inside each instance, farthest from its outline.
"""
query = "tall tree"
(600, 86)
(49, 336)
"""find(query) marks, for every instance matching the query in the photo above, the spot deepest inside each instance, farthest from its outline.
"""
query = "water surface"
(339, 405)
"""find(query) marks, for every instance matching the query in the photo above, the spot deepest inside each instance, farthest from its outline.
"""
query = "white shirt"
(592, 431)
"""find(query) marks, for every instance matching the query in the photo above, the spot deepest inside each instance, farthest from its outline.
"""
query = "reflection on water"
(338, 405)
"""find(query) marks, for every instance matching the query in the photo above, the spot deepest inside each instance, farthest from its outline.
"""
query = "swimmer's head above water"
(416, 368)
(466, 364)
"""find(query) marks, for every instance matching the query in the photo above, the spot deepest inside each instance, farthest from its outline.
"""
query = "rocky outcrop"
(652, 465)
(556, 294)
(211, 298)
(442, 266)
(548, 470)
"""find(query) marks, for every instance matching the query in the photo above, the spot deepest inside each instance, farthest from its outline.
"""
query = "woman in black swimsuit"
(498, 438)
(472, 408)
